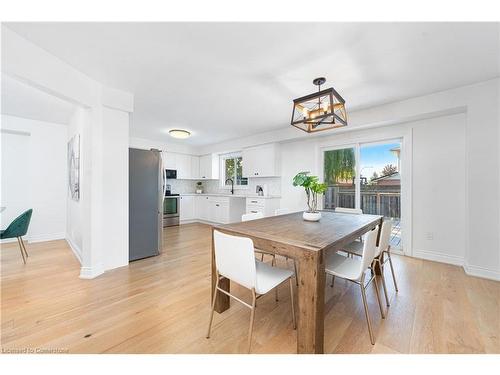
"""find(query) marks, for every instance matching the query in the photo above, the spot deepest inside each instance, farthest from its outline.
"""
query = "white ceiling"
(22, 100)
(227, 80)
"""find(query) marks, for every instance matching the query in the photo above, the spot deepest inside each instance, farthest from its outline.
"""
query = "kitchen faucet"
(232, 184)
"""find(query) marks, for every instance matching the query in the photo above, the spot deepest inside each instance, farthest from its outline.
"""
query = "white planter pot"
(311, 216)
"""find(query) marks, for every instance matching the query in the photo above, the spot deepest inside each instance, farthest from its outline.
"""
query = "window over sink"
(232, 168)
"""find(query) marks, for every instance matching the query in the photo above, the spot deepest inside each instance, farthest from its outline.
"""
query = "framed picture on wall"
(74, 167)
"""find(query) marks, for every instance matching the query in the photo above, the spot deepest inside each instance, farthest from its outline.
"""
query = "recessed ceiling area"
(226, 80)
(23, 100)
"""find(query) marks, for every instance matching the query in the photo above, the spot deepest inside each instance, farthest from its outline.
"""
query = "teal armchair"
(17, 229)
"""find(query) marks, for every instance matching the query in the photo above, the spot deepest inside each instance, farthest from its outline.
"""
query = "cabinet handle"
(253, 201)
(254, 212)
(216, 205)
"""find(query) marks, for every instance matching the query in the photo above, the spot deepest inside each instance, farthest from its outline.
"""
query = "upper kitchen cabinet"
(169, 160)
(195, 167)
(209, 167)
(183, 166)
(187, 166)
(261, 161)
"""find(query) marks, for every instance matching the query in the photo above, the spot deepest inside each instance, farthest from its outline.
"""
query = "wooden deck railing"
(375, 202)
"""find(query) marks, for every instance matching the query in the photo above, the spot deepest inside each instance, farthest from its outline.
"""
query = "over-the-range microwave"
(170, 173)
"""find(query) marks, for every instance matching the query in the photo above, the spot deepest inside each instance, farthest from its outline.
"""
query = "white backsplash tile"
(213, 186)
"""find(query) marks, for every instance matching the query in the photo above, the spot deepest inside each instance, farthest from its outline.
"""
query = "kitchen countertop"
(233, 195)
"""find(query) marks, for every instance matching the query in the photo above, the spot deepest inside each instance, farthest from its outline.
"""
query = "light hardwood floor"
(161, 305)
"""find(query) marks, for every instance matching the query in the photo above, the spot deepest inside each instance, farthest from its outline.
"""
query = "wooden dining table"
(307, 243)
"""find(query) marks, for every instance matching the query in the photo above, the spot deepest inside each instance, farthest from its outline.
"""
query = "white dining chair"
(235, 260)
(255, 216)
(284, 211)
(343, 210)
(354, 211)
(354, 269)
(356, 248)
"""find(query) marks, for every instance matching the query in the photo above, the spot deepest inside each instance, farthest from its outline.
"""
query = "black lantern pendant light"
(322, 110)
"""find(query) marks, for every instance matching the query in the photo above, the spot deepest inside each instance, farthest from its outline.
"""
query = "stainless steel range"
(171, 206)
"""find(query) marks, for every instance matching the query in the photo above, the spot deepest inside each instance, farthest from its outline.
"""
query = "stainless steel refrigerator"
(145, 203)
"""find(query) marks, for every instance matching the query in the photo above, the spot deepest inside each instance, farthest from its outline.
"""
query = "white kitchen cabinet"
(195, 167)
(187, 207)
(169, 160)
(261, 161)
(183, 166)
(216, 208)
(202, 208)
(209, 167)
(265, 205)
(187, 166)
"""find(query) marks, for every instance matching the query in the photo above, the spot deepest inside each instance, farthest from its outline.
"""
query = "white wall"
(34, 176)
(115, 177)
(439, 189)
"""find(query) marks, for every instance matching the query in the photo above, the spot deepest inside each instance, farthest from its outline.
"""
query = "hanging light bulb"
(325, 105)
(305, 112)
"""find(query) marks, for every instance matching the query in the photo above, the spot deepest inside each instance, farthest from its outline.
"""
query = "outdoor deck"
(395, 241)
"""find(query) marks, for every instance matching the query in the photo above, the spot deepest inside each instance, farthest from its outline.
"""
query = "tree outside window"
(233, 168)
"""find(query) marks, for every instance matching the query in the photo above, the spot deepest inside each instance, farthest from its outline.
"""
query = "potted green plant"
(313, 188)
(199, 187)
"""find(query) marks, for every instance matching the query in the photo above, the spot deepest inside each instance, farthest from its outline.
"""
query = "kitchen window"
(232, 168)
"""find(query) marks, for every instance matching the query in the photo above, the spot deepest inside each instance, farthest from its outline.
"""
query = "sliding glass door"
(339, 174)
(366, 176)
(380, 183)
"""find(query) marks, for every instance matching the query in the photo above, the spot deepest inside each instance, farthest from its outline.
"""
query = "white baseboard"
(47, 237)
(38, 238)
(439, 257)
(470, 270)
(91, 272)
(75, 249)
(482, 272)
(199, 221)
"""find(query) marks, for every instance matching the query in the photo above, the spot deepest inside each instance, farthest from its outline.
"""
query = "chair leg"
(24, 247)
(293, 305)
(261, 257)
(333, 281)
(392, 271)
(213, 307)
(367, 315)
(21, 249)
(252, 318)
(273, 262)
(378, 297)
(384, 286)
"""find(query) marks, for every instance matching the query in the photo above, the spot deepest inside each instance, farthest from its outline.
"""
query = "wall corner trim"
(91, 272)
(74, 248)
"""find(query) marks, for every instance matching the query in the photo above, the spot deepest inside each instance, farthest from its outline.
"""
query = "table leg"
(311, 303)
(222, 301)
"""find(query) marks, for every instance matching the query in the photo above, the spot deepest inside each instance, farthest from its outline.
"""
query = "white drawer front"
(256, 201)
(253, 209)
(218, 199)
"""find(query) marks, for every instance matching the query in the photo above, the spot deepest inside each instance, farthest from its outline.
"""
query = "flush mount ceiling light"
(321, 110)
(179, 133)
